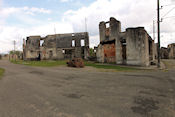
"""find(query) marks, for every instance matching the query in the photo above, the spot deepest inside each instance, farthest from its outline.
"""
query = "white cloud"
(37, 10)
(5, 12)
(131, 13)
(8, 34)
(25, 15)
(64, 0)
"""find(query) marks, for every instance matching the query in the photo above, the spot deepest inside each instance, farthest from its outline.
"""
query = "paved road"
(68, 92)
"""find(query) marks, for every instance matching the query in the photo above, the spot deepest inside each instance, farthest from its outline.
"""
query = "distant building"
(168, 52)
(171, 49)
(56, 47)
(164, 53)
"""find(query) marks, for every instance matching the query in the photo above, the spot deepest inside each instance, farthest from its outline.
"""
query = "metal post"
(158, 32)
(85, 24)
(14, 50)
(154, 30)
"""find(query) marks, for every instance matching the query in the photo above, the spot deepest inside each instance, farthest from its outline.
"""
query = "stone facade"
(57, 47)
(132, 47)
(171, 49)
(164, 54)
(168, 52)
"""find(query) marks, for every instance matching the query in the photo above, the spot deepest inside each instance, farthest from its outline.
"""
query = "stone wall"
(57, 47)
(109, 52)
(171, 48)
(137, 46)
(32, 48)
(100, 53)
(132, 47)
(164, 54)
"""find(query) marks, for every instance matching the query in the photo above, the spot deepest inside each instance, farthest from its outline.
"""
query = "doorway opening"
(123, 44)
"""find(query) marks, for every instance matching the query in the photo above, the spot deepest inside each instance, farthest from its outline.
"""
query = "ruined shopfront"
(132, 47)
(56, 47)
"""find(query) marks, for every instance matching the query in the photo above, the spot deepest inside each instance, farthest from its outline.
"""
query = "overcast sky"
(21, 18)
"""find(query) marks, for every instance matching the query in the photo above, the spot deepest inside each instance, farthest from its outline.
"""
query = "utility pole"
(158, 31)
(54, 29)
(154, 30)
(85, 24)
(55, 37)
(14, 50)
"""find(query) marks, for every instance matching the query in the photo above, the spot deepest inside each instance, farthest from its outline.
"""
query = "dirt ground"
(68, 92)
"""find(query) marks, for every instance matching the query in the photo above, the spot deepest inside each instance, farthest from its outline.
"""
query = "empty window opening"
(41, 42)
(73, 35)
(107, 25)
(73, 43)
(63, 51)
(68, 51)
(124, 44)
(82, 43)
(150, 50)
(50, 54)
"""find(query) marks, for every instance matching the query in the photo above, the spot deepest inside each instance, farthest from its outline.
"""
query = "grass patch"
(63, 62)
(112, 66)
(1, 72)
(169, 63)
(41, 63)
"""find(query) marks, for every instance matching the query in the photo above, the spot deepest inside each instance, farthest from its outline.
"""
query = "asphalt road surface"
(68, 92)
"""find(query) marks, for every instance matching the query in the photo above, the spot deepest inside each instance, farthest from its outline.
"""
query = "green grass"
(41, 63)
(169, 63)
(63, 62)
(1, 72)
(112, 66)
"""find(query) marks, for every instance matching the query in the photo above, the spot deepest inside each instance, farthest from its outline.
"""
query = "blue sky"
(62, 5)
(57, 8)
(22, 18)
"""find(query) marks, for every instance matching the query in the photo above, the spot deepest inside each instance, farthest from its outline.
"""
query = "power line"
(167, 5)
(169, 17)
(153, 29)
(85, 24)
(168, 12)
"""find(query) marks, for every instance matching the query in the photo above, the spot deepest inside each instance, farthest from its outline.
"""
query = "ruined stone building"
(164, 53)
(171, 49)
(168, 52)
(132, 47)
(56, 47)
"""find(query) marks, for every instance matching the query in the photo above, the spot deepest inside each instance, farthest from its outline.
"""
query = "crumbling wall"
(108, 37)
(32, 48)
(164, 54)
(133, 47)
(119, 50)
(100, 53)
(51, 54)
(152, 48)
(56, 47)
(114, 29)
(153, 51)
(171, 49)
(102, 30)
(109, 53)
(137, 46)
